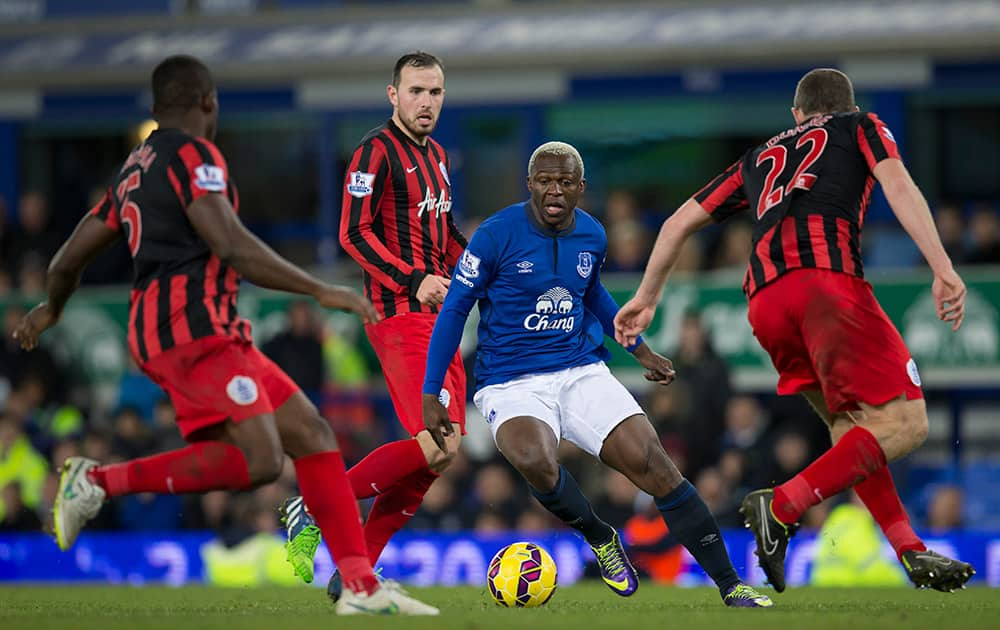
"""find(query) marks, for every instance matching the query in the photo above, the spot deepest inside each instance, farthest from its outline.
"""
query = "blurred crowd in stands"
(727, 442)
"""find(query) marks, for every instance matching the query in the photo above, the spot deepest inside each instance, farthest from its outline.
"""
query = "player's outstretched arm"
(636, 315)
(216, 222)
(90, 238)
(914, 215)
(659, 368)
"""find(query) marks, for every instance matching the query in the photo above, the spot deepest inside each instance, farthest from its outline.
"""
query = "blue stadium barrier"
(174, 558)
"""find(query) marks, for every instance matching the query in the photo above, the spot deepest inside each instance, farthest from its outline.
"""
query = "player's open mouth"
(425, 118)
(554, 208)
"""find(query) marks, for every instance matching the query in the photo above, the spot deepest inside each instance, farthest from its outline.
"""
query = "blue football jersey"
(541, 303)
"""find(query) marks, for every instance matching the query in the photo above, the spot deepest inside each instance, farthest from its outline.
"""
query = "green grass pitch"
(585, 606)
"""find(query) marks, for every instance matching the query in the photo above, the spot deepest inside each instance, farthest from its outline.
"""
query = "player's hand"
(633, 318)
(436, 421)
(432, 290)
(38, 320)
(659, 368)
(949, 298)
(347, 299)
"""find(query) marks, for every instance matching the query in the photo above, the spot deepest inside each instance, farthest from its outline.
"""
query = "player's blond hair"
(556, 148)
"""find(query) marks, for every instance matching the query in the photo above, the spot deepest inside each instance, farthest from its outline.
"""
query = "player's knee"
(659, 474)
(265, 466)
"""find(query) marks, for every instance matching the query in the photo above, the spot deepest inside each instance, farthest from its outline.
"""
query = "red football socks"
(393, 509)
(328, 494)
(852, 459)
(878, 493)
(386, 466)
(200, 467)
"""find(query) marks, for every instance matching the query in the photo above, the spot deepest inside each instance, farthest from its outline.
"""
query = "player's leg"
(634, 449)
(232, 456)
(878, 493)
(308, 439)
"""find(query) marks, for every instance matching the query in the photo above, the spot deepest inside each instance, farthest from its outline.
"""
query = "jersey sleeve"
(875, 140)
(472, 277)
(197, 169)
(106, 213)
(725, 195)
(364, 187)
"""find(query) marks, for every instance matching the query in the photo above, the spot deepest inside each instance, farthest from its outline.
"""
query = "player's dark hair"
(179, 83)
(824, 91)
(418, 59)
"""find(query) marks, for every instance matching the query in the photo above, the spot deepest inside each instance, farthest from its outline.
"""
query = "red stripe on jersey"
(844, 244)
(133, 326)
(817, 237)
(764, 255)
(150, 318)
(866, 148)
(178, 311)
(230, 284)
(723, 191)
(211, 284)
(217, 158)
(176, 184)
(192, 160)
(749, 286)
(790, 243)
(865, 199)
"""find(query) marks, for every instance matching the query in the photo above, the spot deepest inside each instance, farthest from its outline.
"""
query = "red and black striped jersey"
(807, 189)
(396, 218)
(181, 290)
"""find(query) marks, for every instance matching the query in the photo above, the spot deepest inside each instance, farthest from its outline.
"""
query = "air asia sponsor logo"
(210, 178)
(431, 202)
(552, 310)
(360, 184)
(585, 264)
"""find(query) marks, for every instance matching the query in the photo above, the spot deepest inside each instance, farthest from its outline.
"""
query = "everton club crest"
(585, 265)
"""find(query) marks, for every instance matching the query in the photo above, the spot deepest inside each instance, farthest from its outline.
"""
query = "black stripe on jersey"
(879, 151)
(855, 239)
(180, 171)
(756, 270)
(204, 153)
(164, 331)
(387, 297)
(198, 318)
(436, 158)
(806, 254)
(830, 233)
(140, 333)
(402, 199)
(427, 220)
(777, 248)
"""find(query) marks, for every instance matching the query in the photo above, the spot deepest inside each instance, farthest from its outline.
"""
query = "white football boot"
(389, 599)
(77, 502)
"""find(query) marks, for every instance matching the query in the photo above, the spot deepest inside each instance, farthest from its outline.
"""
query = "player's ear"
(583, 185)
(390, 91)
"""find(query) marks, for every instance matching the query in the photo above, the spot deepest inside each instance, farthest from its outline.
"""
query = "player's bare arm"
(659, 369)
(90, 238)
(914, 215)
(636, 314)
(436, 421)
(215, 221)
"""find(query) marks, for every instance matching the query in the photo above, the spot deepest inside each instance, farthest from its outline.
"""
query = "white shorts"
(581, 404)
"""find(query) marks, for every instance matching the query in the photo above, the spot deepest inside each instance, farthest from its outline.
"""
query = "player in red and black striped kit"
(174, 201)
(807, 190)
(396, 222)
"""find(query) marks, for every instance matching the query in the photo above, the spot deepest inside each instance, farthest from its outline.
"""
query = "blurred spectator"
(20, 462)
(536, 519)
(946, 508)
(16, 515)
(166, 437)
(437, 511)
(494, 496)
(653, 551)
(718, 496)
(6, 282)
(690, 258)
(6, 237)
(298, 350)
(136, 390)
(984, 231)
(705, 376)
(490, 522)
(628, 246)
(849, 551)
(734, 248)
(790, 455)
(131, 435)
(31, 274)
(617, 503)
(17, 366)
(33, 238)
(149, 512)
(619, 207)
(951, 228)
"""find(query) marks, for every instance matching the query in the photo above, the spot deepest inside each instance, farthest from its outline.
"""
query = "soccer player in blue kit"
(534, 269)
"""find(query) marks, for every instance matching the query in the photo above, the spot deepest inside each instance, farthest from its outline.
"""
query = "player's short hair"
(179, 84)
(824, 91)
(417, 59)
(556, 148)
